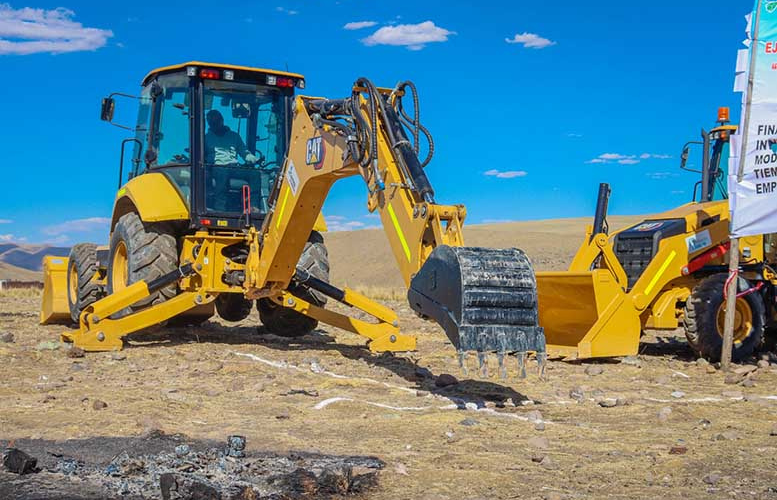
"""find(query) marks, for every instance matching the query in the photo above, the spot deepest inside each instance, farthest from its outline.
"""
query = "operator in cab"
(222, 145)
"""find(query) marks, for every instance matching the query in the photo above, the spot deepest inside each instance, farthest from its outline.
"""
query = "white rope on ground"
(458, 404)
(284, 365)
(489, 411)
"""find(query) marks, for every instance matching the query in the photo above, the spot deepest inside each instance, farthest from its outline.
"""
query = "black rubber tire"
(701, 319)
(286, 322)
(233, 307)
(82, 259)
(152, 251)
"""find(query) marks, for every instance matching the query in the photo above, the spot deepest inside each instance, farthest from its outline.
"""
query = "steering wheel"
(181, 158)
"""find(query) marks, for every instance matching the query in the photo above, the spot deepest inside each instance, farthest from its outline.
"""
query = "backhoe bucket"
(485, 299)
(54, 307)
(587, 314)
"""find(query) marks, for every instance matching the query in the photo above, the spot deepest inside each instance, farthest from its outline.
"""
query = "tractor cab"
(218, 133)
(715, 154)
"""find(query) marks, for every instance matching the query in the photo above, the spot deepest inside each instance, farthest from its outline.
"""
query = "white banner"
(753, 199)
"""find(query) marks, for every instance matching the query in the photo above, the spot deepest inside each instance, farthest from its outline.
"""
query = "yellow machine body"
(593, 310)
(54, 306)
(258, 259)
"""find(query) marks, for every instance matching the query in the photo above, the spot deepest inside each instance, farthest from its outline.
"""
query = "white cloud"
(287, 11)
(6, 221)
(412, 36)
(7, 238)
(61, 239)
(646, 156)
(357, 25)
(78, 226)
(505, 174)
(531, 41)
(661, 175)
(32, 31)
(496, 221)
(574, 135)
(340, 223)
(615, 157)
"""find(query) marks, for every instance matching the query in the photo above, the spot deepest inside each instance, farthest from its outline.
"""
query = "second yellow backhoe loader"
(665, 272)
(229, 174)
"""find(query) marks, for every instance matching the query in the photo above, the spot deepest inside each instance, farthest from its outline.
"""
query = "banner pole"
(733, 263)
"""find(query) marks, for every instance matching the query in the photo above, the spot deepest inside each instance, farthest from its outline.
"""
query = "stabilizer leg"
(99, 332)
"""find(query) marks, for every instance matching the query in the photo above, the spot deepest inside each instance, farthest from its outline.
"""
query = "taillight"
(210, 74)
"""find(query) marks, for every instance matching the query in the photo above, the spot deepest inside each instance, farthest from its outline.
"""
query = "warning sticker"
(696, 242)
(292, 178)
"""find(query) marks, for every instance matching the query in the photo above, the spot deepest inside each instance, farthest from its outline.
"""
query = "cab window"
(244, 144)
(169, 143)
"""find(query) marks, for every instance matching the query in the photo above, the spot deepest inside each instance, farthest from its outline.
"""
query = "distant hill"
(9, 272)
(363, 258)
(23, 262)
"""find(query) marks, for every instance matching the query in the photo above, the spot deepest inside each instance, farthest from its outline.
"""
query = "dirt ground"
(658, 425)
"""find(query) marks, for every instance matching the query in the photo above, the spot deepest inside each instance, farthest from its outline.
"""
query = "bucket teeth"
(500, 358)
(521, 358)
(462, 355)
(542, 362)
(482, 364)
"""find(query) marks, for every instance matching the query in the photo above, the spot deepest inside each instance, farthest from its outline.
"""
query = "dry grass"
(21, 292)
(382, 293)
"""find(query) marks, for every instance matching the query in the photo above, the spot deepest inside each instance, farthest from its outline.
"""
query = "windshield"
(719, 169)
(244, 141)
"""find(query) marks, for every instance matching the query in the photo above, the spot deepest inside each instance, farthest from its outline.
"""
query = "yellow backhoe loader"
(222, 208)
(665, 272)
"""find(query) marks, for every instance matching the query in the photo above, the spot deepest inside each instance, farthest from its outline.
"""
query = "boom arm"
(485, 299)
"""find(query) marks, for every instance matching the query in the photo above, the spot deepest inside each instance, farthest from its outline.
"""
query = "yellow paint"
(153, 196)
(54, 306)
(174, 67)
(660, 272)
(398, 229)
(320, 224)
(283, 207)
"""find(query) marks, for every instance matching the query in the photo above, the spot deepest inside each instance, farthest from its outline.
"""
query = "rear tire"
(81, 290)
(703, 319)
(141, 251)
(287, 322)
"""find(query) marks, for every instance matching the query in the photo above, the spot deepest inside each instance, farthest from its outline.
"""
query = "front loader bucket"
(587, 314)
(485, 299)
(54, 307)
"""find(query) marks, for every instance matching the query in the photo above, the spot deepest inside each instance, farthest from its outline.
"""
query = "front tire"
(141, 251)
(287, 322)
(705, 314)
(81, 290)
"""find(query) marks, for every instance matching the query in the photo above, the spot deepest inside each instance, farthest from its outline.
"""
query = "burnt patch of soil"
(173, 467)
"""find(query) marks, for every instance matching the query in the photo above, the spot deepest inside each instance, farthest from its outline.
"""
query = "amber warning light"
(723, 115)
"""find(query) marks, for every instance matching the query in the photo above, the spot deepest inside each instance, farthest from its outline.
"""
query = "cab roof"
(174, 67)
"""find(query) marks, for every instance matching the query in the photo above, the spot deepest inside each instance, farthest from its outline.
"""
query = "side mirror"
(107, 108)
(684, 157)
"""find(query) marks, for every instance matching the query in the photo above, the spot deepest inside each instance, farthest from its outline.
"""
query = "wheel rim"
(72, 285)
(119, 267)
(743, 320)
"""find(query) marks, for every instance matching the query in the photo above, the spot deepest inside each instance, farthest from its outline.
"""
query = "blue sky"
(531, 103)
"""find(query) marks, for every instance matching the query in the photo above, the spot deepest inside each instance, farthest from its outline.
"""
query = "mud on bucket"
(485, 299)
